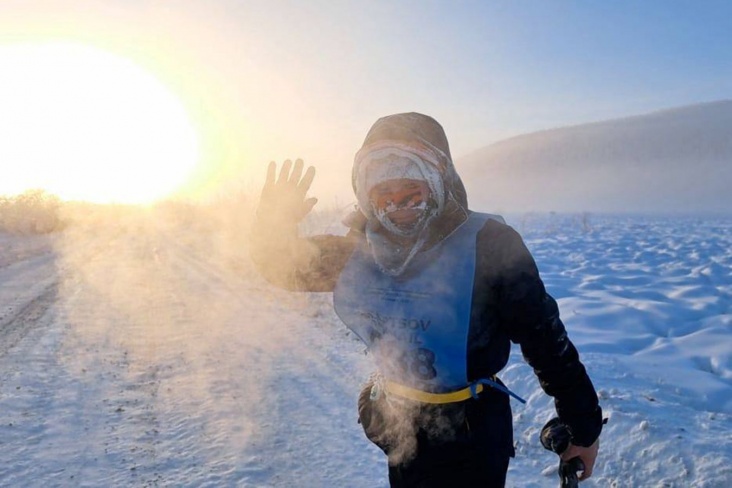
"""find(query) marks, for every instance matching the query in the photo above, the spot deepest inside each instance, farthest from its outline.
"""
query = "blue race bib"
(416, 324)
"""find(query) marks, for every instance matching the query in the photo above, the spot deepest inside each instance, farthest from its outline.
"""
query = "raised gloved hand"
(283, 199)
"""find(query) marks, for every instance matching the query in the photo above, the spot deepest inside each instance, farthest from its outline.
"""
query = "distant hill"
(676, 160)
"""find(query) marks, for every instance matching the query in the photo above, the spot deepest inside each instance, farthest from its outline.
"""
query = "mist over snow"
(142, 350)
(672, 161)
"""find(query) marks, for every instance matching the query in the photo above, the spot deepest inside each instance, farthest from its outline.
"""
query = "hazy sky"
(266, 80)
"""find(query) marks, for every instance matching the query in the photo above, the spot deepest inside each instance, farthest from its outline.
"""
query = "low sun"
(86, 124)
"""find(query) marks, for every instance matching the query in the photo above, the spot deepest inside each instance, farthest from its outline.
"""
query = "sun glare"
(86, 124)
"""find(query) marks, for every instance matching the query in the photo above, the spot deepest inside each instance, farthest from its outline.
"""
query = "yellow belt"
(427, 397)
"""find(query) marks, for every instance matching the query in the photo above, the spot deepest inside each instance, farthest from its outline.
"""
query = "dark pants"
(461, 445)
(451, 467)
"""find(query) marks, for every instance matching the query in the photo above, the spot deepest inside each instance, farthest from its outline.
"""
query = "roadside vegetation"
(31, 212)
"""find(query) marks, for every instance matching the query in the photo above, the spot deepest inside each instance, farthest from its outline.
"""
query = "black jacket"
(511, 303)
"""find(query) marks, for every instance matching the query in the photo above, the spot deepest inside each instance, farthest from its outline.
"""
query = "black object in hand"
(568, 472)
(555, 437)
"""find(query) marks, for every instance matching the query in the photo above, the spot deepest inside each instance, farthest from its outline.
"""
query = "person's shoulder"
(501, 253)
(501, 242)
(494, 225)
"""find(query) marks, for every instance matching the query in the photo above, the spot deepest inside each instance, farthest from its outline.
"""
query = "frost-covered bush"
(31, 212)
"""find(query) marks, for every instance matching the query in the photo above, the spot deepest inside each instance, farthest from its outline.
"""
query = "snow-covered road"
(130, 359)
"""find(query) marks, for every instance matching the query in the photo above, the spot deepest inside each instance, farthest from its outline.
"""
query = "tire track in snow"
(24, 255)
(16, 249)
(15, 327)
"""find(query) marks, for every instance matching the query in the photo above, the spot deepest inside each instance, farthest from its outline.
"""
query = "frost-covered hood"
(420, 139)
(419, 134)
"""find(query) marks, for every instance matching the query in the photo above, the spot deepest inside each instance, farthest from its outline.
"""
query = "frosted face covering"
(400, 202)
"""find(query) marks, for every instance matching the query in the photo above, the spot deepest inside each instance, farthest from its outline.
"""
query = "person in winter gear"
(437, 292)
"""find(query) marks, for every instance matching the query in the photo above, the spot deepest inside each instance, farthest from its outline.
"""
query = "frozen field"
(142, 355)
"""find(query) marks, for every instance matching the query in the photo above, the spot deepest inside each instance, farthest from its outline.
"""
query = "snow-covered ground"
(136, 354)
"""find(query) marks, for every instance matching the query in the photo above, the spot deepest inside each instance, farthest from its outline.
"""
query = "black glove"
(555, 437)
(283, 200)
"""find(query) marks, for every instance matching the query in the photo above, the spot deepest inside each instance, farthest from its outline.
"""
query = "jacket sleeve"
(530, 317)
(297, 263)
